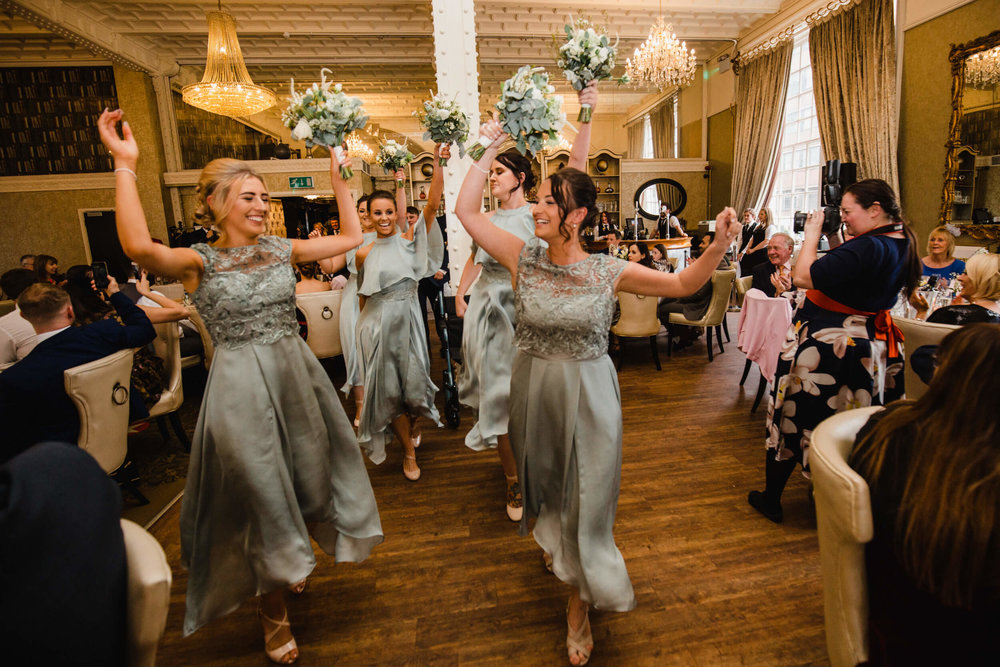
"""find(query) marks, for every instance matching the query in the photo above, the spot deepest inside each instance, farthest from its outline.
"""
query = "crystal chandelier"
(226, 88)
(358, 148)
(982, 70)
(661, 61)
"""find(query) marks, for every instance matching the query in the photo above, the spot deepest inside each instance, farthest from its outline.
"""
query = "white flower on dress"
(806, 446)
(793, 338)
(841, 339)
(787, 417)
(802, 378)
(847, 399)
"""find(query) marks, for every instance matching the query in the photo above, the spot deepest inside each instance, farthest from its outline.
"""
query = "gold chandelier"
(982, 70)
(358, 148)
(661, 61)
(226, 88)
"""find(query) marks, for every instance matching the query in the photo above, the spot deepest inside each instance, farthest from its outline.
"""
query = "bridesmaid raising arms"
(565, 416)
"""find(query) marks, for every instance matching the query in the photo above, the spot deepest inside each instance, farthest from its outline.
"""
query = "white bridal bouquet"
(393, 156)
(529, 112)
(323, 116)
(586, 56)
(445, 123)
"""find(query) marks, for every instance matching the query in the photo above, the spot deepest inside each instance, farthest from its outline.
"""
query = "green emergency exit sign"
(299, 182)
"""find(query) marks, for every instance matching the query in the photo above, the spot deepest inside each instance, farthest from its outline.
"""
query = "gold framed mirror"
(959, 197)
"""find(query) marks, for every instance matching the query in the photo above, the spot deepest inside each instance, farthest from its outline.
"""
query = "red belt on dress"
(885, 328)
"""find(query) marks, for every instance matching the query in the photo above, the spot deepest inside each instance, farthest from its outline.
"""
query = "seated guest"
(28, 262)
(933, 565)
(940, 260)
(658, 253)
(774, 276)
(694, 306)
(615, 247)
(34, 406)
(978, 300)
(17, 338)
(309, 282)
(63, 578)
(639, 253)
(47, 270)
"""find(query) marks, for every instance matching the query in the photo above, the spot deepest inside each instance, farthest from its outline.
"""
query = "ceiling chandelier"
(226, 88)
(358, 148)
(661, 61)
(982, 70)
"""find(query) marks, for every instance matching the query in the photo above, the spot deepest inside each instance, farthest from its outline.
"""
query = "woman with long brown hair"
(933, 468)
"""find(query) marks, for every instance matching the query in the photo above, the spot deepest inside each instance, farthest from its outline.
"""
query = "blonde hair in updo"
(217, 179)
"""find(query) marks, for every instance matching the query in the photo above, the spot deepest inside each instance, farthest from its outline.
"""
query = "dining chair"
(844, 523)
(167, 346)
(762, 329)
(916, 334)
(638, 320)
(322, 313)
(208, 348)
(148, 594)
(722, 285)
(743, 285)
(100, 391)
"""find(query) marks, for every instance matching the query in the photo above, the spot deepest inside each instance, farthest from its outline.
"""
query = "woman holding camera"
(843, 350)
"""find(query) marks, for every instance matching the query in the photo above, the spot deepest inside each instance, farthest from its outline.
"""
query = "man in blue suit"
(34, 406)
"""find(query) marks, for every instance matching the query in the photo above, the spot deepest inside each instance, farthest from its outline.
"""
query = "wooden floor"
(453, 584)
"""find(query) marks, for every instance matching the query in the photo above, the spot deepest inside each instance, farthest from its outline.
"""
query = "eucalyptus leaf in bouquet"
(393, 156)
(445, 123)
(587, 55)
(323, 115)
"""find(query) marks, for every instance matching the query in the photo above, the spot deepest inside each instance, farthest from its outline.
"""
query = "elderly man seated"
(774, 276)
(34, 406)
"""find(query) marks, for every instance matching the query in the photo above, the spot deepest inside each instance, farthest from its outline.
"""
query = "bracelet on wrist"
(126, 169)
(485, 171)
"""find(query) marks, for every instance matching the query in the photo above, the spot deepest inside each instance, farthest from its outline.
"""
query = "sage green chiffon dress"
(488, 337)
(349, 311)
(566, 420)
(272, 451)
(392, 346)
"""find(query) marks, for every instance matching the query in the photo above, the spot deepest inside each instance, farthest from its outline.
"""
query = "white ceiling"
(382, 50)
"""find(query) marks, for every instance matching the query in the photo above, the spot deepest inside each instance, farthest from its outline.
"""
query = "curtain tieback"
(885, 328)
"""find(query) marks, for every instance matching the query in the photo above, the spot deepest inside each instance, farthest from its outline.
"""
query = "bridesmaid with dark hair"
(565, 428)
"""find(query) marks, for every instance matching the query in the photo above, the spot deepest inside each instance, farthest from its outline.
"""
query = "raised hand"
(338, 163)
(494, 131)
(727, 227)
(443, 151)
(588, 96)
(123, 149)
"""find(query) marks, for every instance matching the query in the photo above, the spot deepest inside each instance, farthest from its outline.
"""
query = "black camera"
(836, 176)
(99, 271)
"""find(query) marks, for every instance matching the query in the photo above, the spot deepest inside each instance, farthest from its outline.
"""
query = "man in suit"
(34, 406)
(774, 276)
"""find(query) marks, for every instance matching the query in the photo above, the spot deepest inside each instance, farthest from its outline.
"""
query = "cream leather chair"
(844, 520)
(322, 311)
(100, 390)
(917, 333)
(722, 285)
(638, 320)
(149, 579)
(168, 347)
(206, 340)
(743, 285)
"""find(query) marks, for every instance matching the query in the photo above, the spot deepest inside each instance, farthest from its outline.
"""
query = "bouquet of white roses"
(529, 112)
(393, 156)
(445, 123)
(586, 56)
(323, 116)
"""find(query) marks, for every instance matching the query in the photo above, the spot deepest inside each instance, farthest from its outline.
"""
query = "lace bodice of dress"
(247, 294)
(564, 312)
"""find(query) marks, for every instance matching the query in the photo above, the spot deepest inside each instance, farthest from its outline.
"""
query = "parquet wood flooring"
(453, 584)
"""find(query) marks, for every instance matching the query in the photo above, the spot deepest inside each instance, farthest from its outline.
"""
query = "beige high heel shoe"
(412, 475)
(515, 504)
(288, 652)
(579, 642)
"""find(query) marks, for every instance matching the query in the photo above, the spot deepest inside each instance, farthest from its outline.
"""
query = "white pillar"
(457, 78)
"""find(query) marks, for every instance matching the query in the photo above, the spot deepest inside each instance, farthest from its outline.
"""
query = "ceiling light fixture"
(358, 148)
(982, 70)
(226, 88)
(661, 61)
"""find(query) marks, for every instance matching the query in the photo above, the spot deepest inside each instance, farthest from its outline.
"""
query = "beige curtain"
(760, 110)
(661, 121)
(853, 57)
(635, 140)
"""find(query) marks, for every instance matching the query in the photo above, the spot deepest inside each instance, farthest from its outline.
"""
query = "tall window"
(647, 138)
(798, 179)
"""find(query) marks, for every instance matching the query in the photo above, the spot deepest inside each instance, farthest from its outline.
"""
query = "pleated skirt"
(272, 452)
(566, 433)
(488, 354)
(349, 312)
(392, 353)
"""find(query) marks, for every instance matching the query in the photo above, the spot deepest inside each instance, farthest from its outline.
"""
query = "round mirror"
(652, 194)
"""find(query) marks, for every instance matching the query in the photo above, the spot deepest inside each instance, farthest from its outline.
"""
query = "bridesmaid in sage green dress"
(274, 460)
(392, 347)
(565, 406)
